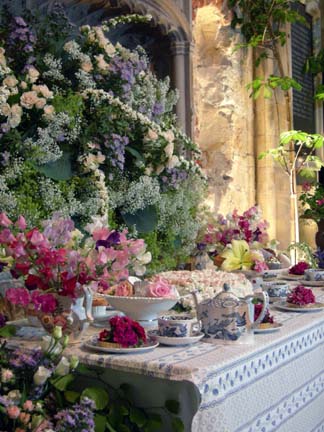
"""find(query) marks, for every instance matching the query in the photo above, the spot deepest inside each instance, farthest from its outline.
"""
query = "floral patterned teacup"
(178, 326)
(314, 274)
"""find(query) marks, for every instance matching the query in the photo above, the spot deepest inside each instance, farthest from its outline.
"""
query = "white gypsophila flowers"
(137, 195)
(54, 65)
(85, 79)
(8, 201)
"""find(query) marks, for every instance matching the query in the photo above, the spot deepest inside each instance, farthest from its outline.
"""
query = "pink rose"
(28, 405)
(124, 289)
(13, 412)
(159, 288)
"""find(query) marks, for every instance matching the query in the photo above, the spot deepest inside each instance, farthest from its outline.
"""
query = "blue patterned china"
(278, 289)
(227, 317)
(314, 275)
(178, 326)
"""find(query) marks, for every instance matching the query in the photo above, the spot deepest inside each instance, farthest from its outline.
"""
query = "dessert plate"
(175, 341)
(291, 277)
(93, 345)
(271, 328)
(314, 307)
(313, 283)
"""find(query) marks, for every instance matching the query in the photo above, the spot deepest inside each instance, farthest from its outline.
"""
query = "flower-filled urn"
(227, 317)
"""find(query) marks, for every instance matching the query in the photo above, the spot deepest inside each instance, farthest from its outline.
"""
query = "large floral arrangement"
(312, 199)
(87, 129)
(58, 262)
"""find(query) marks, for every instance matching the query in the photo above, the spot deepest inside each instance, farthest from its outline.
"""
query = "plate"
(271, 329)
(175, 341)
(291, 277)
(312, 283)
(149, 346)
(289, 307)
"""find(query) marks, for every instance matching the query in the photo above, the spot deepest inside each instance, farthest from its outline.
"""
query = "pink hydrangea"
(301, 296)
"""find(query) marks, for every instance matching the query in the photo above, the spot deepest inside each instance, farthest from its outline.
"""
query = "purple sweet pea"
(112, 240)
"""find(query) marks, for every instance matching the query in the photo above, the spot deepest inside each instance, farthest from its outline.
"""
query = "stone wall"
(223, 109)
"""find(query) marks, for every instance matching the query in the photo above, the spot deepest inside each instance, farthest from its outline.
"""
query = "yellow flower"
(238, 257)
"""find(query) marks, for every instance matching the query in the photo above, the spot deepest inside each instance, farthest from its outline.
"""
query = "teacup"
(178, 326)
(314, 274)
(276, 289)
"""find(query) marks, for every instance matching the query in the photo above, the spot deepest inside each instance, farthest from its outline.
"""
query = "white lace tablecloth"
(274, 384)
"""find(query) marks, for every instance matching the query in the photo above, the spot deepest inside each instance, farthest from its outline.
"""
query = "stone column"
(180, 75)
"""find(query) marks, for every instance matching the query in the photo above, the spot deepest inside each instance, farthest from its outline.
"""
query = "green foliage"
(98, 395)
(7, 331)
(173, 406)
(62, 383)
(311, 200)
(306, 253)
(268, 85)
(144, 221)
(61, 169)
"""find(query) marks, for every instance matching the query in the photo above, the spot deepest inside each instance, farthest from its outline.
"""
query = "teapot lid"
(226, 294)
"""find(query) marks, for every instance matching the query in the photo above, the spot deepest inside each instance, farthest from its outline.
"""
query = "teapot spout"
(194, 295)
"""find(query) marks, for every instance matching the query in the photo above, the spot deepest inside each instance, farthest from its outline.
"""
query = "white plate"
(175, 341)
(149, 346)
(291, 277)
(312, 283)
(288, 307)
(271, 329)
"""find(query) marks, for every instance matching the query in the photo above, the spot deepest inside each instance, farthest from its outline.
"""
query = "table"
(274, 384)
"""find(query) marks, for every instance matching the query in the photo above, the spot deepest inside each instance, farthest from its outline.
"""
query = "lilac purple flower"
(22, 359)
(3, 320)
(173, 177)
(80, 417)
(319, 255)
(112, 240)
(58, 229)
(116, 150)
(21, 39)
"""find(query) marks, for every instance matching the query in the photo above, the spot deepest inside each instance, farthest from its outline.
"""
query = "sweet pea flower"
(4, 220)
(18, 296)
(28, 405)
(21, 223)
(41, 375)
(24, 418)
(6, 236)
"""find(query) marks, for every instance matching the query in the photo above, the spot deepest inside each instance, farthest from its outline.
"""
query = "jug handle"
(265, 299)
(194, 295)
(88, 303)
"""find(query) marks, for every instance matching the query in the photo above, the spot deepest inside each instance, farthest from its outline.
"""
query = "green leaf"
(267, 92)
(173, 406)
(137, 416)
(71, 396)
(153, 423)
(61, 169)
(61, 383)
(135, 153)
(8, 331)
(145, 220)
(100, 422)
(98, 395)
(123, 428)
(177, 425)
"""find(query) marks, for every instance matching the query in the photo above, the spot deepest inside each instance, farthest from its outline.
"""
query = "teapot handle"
(88, 302)
(265, 298)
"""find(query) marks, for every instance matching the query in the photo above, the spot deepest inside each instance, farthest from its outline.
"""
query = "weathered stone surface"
(223, 110)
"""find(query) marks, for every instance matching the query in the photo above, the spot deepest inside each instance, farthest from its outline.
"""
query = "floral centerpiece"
(312, 199)
(55, 265)
(239, 242)
(123, 333)
(87, 129)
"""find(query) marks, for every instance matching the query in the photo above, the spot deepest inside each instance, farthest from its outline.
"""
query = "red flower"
(299, 268)
(301, 296)
(32, 282)
(68, 285)
(20, 269)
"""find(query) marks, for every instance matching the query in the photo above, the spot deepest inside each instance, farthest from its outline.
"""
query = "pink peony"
(299, 268)
(21, 223)
(18, 296)
(159, 287)
(301, 296)
(13, 412)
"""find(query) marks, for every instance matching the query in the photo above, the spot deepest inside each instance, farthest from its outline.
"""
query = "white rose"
(63, 367)
(42, 375)
(10, 81)
(5, 109)
(173, 162)
(28, 99)
(14, 121)
(23, 85)
(40, 103)
(168, 135)
(49, 111)
(86, 66)
(14, 395)
(44, 90)
(168, 149)
(47, 343)
(159, 169)
(152, 135)
(33, 74)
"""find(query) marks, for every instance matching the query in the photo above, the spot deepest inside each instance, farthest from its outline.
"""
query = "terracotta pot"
(319, 238)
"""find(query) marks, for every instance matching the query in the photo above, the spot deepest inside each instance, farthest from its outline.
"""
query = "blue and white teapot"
(228, 317)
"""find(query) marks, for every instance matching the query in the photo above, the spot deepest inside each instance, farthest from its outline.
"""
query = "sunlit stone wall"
(223, 110)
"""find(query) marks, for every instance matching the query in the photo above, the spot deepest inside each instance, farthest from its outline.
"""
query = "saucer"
(175, 341)
(270, 328)
(93, 345)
